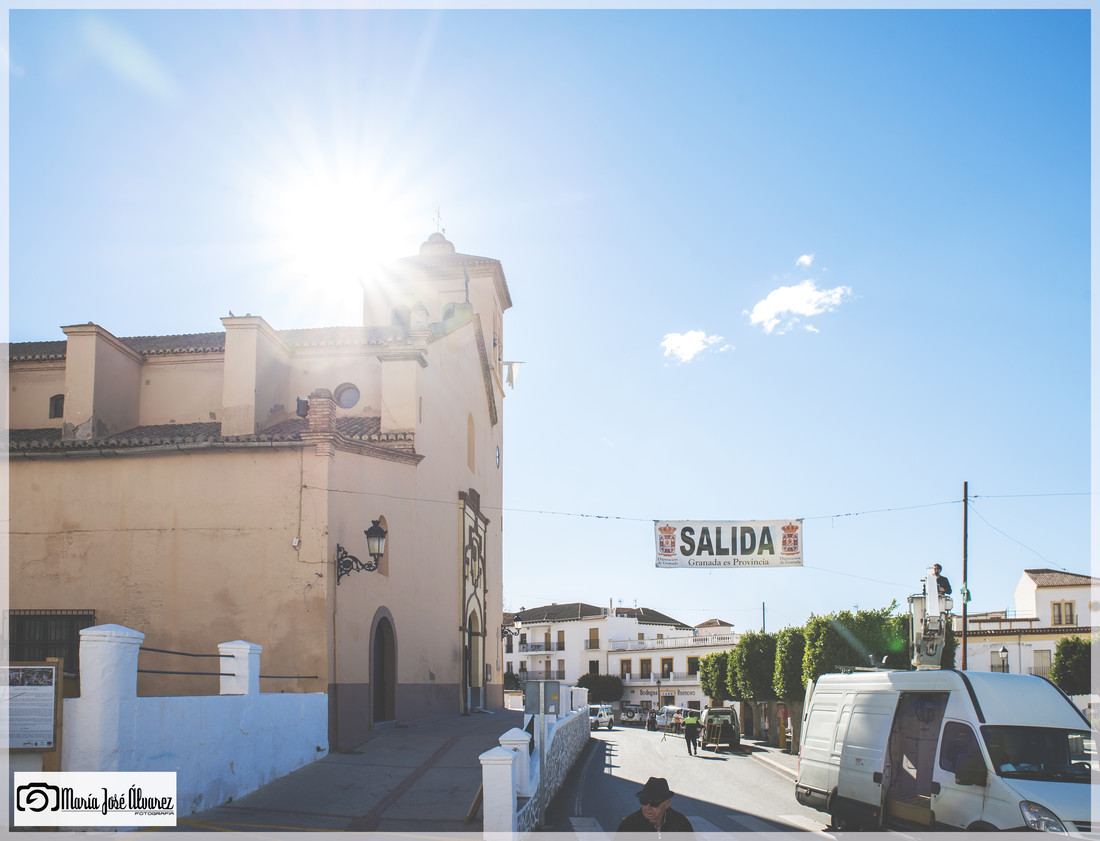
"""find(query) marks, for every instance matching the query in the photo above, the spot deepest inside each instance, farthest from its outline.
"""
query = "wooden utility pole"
(965, 589)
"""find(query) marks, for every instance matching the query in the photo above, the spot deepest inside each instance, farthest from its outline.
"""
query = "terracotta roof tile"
(1059, 578)
(215, 342)
(560, 612)
(648, 616)
(187, 343)
(35, 351)
(33, 438)
(715, 623)
(355, 428)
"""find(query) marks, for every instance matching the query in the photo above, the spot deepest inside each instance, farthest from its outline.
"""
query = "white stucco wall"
(220, 746)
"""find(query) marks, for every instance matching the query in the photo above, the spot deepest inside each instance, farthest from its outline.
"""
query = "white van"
(942, 749)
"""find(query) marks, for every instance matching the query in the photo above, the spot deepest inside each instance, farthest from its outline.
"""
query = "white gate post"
(108, 685)
(243, 660)
(520, 741)
(498, 780)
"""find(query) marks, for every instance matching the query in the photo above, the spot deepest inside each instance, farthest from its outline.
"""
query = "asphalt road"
(724, 792)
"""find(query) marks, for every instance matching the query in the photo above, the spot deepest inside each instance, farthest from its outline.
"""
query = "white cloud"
(805, 260)
(784, 307)
(686, 346)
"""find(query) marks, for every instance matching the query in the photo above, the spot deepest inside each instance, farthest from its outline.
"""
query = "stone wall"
(565, 742)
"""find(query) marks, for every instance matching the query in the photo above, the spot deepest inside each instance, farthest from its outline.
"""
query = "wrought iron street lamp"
(376, 541)
(1004, 659)
(376, 548)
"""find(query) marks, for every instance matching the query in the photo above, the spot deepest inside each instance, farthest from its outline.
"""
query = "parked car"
(719, 726)
(599, 715)
(946, 750)
(670, 718)
(632, 715)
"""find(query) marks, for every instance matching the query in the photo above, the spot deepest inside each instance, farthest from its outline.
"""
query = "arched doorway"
(384, 673)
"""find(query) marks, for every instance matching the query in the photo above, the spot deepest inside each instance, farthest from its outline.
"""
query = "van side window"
(958, 741)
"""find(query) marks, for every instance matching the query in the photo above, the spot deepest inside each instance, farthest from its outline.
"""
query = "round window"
(347, 396)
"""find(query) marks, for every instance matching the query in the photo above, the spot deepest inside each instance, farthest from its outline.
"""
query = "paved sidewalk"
(785, 762)
(417, 778)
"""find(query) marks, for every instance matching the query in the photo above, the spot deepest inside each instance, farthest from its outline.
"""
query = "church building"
(236, 484)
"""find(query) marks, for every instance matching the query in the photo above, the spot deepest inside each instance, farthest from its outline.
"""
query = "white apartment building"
(1049, 605)
(656, 656)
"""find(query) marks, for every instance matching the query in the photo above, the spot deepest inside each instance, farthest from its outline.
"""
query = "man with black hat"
(656, 814)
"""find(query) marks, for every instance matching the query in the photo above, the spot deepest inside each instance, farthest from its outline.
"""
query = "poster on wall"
(714, 544)
(30, 700)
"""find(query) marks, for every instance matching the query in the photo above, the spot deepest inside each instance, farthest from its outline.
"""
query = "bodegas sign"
(728, 543)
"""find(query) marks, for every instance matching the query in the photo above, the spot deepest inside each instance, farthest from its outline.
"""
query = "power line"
(883, 510)
(1028, 496)
(595, 516)
(1010, 537)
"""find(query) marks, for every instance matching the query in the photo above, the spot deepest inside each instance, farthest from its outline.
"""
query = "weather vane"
(439, 222)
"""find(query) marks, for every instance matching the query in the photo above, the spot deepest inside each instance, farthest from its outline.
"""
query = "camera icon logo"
(37, 797)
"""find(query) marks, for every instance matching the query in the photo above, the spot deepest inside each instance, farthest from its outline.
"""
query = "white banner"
(95, 798)
(710, 544)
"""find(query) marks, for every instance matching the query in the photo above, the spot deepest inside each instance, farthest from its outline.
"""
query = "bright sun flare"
(337, 229)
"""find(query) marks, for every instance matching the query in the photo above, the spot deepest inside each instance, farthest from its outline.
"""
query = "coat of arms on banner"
(790, 539)
(666, 540)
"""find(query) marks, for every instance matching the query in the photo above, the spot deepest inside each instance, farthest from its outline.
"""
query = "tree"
(602, 689)
(511, 681)
(899, 650)
(713, 670)
(790, 647)
(864, 638)
(1070, 670)
(754, 672)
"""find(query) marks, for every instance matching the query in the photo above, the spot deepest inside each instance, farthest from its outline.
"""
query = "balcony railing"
(536, 647)
(1041, 671)
(652, 679)
(553, 674)
(673, 642)
(591, 645)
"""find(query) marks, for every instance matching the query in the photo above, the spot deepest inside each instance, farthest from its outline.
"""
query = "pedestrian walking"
(656, 813)
(691, 732)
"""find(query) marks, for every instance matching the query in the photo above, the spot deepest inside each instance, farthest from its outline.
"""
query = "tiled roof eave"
(72, 449)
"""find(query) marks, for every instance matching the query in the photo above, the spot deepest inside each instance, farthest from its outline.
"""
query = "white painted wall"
(220, 746)
(1035, 601)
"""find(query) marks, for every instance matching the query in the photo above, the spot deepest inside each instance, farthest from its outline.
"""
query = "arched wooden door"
(384, 673)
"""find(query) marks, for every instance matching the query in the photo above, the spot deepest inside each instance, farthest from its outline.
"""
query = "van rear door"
(817, 772)
(863, 750)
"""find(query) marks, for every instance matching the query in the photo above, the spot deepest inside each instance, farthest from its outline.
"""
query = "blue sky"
(764, 264)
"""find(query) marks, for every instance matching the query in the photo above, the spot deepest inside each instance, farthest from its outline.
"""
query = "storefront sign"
(710, 544)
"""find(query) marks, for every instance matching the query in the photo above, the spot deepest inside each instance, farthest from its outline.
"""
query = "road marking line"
(750, 824)
(702, 824)
(805, 823)
(588, 828)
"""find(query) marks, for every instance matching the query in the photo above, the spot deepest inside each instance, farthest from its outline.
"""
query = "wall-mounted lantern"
(505, 631)
(376, 548)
